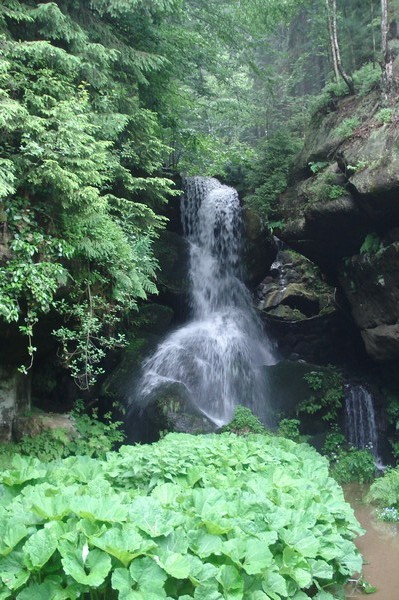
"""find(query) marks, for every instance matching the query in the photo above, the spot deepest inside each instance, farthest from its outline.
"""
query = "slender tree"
(331, 7)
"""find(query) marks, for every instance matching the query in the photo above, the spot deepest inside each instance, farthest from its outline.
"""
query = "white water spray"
(216, 358)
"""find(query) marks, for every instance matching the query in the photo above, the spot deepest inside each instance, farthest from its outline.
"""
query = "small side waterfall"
(215, 359)
(360, 418)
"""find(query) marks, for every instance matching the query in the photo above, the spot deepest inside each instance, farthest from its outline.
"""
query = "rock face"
(343, 212)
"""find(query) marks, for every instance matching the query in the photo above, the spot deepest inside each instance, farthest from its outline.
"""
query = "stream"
(379, 546)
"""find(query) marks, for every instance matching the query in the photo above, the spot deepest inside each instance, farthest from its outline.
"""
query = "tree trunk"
(332, 46)
(373, 32)
(331, 6)
(387, 58)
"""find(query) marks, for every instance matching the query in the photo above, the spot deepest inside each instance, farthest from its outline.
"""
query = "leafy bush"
(353, 465)
(92, 437)
(268, 176)
(244, 422)
(367, 78)
(327, 396)
(323, 188)
(384, 115)
(384, 492)
(289, 428)
(371, 244)
(348, 464)
(211, 518)
(347, 127)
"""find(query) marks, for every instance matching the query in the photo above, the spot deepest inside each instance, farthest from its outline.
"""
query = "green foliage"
(348, 464)
(371, 244)
(79, 179)
(269, 175)
(244, 422)
(316, 167)
(384, 492)
(323, 187)
(90, 437)
(327, 396)
(384, 115)
(334, 443)
(289, 428)
(215, 516)
(359, 166)
(353, 465)
(367, 78)
(347, 127)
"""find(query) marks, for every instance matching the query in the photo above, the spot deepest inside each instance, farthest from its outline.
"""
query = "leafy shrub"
(367, 78)
(316, 167)
(323, 188)
(334, 443)
(328, 394)
(211, 518)
(244, 421)
(384, 492)
(371, 244)
(347, 127)
(384, 115)
(347, 464)
(289, 428)
(92, 437)
(268, 176)
(353, 465)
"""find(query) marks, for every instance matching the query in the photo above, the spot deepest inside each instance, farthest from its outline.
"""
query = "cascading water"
(215, 358)
(360, 418)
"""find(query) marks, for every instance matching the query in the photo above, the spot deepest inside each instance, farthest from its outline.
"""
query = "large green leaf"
(150, 517)
(148, 575)
(13, 533)
(258, 557)
(204, 544)
(13, 573)
(39, 548)
(91, 571)
(177, 565)
(123, 542)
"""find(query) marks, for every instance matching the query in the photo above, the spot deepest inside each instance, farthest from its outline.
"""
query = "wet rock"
(260, 250)
(171, 251)
(294, 289)
(371, 284)
(382, 342)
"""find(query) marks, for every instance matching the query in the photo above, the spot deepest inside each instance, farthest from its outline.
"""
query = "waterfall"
(360, 418)
(214, 360)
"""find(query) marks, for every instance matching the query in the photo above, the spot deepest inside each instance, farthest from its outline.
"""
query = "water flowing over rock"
(214, 360)
(360, 418)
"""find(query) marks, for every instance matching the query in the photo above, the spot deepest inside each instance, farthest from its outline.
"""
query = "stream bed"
(379, 546)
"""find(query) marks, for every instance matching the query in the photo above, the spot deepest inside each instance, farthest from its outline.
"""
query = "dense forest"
(125, 254)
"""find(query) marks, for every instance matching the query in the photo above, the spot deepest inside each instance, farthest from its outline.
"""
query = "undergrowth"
(215, 517)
